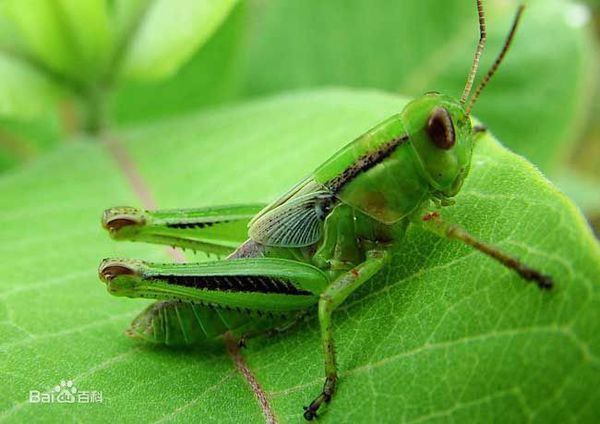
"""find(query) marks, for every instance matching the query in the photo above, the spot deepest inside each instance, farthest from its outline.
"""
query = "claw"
(309, 414)
(310, 411)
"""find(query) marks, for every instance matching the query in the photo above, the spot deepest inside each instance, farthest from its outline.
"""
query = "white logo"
(65, 392)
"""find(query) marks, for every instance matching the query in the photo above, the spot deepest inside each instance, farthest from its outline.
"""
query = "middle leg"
(330, 299)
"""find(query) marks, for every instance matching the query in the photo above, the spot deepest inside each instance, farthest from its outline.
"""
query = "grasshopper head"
(439, 127)
(441, 135)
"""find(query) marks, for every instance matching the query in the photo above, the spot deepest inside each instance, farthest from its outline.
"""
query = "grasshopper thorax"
(441, 135)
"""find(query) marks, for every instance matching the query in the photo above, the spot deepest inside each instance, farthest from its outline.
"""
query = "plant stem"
(95, 103)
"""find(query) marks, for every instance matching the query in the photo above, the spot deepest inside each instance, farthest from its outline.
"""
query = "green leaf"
(25, 91)
(21, 141)
(208, 78)
(535, 103)
(170, 32)
(443, 333)
(46, 45)
(583, 190)
(75, 38)
(71, 37)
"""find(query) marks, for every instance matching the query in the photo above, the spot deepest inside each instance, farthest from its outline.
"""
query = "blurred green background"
(68, 67)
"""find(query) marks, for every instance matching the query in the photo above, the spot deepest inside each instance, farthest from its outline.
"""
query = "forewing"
(298, 222)
(306, 185)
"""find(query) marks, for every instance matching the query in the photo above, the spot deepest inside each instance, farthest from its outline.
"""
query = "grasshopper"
(316, 244)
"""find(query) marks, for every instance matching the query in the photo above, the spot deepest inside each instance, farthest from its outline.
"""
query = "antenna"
(478, 52)
(498, 60)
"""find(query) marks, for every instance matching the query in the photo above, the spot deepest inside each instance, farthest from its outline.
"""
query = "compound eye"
(440, 128)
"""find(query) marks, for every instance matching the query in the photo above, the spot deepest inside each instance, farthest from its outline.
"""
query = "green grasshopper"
(316, 244)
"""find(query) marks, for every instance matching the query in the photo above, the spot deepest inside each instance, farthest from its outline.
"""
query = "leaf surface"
(442, 333)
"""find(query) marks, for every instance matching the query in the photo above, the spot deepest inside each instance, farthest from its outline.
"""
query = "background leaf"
(208, 78)
(25, 92)
(405, 47)
(80, 39)
(23, 140)
(443, 333)
(59, 61)
(70, 37)
(170, 32)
